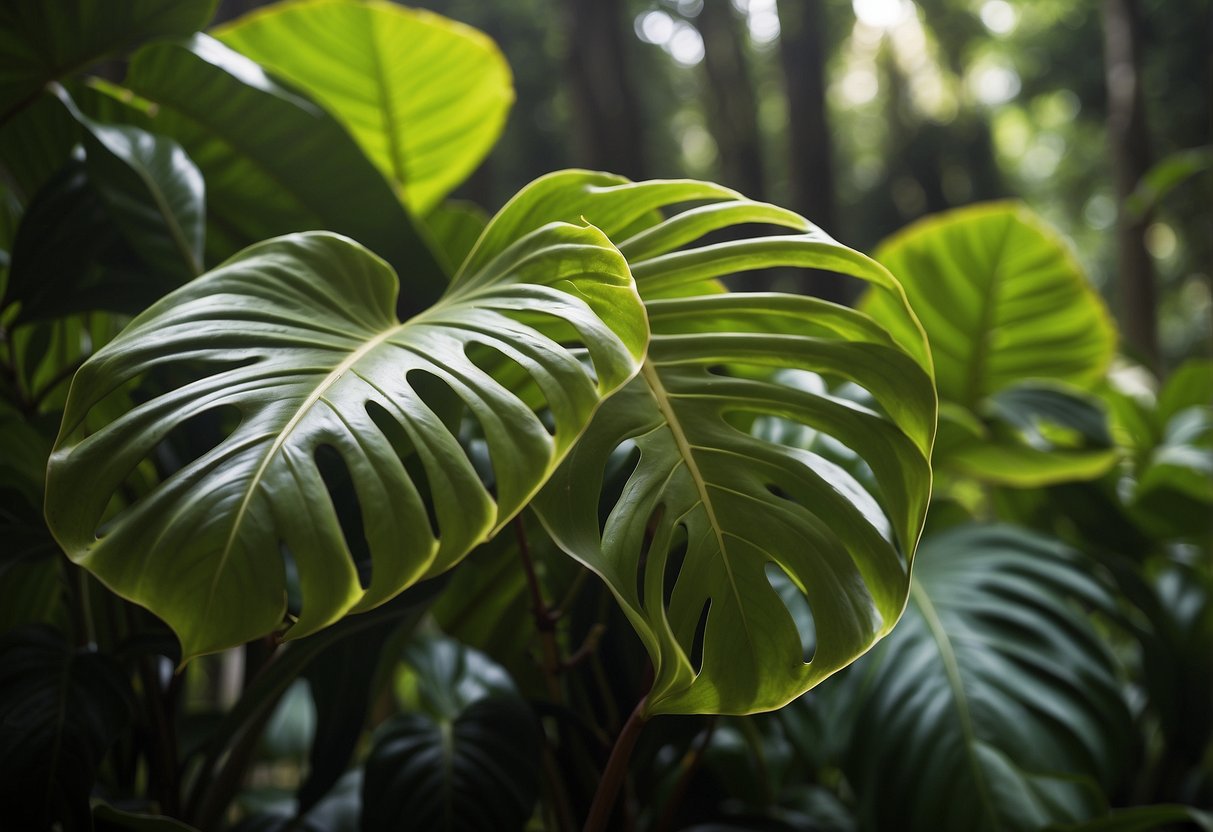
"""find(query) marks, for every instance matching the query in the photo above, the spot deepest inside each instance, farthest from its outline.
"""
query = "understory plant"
(331, 502)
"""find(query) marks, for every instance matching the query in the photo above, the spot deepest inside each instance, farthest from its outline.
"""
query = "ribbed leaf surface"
(296, 341)
(424, 96)
(714, 518)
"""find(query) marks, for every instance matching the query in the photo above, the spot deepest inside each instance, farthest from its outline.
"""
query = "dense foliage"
(331, 502)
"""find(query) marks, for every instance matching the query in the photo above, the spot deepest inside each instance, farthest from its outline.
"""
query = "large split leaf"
(45, 41)
(714, 518)
(1002, 299)
(424, 96)
(273, 161)
(995, 695)
(297, 338)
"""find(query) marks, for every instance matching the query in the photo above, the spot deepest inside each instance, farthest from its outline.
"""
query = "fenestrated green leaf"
(712, 510)
(424, 96)
(994, 695)
(1002, 299)
(45, 41)
(60, 710)
(298, 336)
(273, 161)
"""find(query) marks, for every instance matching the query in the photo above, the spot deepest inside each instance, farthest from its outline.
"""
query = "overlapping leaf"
(424, 96)
(296, 340)
(273, 161)
(712, 514)
(995, 695)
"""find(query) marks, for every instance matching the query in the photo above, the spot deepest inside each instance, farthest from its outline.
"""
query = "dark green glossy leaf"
(1144, 819)
(60, 710)
(45, 41)
(273, 161)
(299, 336)
(477, 770)
(994, 704)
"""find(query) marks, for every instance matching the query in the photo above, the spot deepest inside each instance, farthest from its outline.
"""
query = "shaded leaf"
(60, 710)
(995, 695)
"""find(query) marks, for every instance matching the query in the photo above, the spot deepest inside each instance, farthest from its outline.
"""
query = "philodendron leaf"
(424, 96)
(1002, 299)
(714, 512)
(273, 161)
(465, 758)
(60, 710)
(995, 694)
(44, 41)
(295, 344)
(1030, 434)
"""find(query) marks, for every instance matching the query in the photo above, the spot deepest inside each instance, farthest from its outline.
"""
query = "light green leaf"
(298, 338)
(424, 96)
(1002, 300)
(994, 695)
(713, 513)
(45, 41)
(273, 162)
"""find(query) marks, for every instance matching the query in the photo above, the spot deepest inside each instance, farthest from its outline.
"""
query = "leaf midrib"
(303, 409)
(952, 671)
(685, 450)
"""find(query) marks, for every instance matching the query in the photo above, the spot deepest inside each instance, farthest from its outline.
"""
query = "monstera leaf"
(714, 518)
(995, 694)
(1016, 335)
(293, 350)
(425, 97)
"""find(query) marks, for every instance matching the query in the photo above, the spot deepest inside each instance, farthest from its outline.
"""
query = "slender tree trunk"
(731, 104)
(606, 108)
(802, 52)
(1128, 140)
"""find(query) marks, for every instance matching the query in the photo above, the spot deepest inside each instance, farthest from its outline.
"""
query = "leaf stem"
(616, 769)
(545, 621)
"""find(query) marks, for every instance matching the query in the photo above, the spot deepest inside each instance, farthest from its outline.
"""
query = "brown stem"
(545, 622)
(688, 766)
(616, 769)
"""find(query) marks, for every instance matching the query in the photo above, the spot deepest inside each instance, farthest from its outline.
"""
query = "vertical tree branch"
(616, 769)
(1129, 143)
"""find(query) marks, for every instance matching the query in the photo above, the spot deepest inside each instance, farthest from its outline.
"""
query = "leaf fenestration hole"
(701, 633)
(399, 439)
(798, 607)
(679, 542)
(646, 545)
(344, 497)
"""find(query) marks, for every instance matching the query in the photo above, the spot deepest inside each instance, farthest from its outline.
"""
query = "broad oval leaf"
(1002, 299)
(995, 694)
(715, 516)
(424, 96)
(299, 338)
(44, 41)
(273, 161)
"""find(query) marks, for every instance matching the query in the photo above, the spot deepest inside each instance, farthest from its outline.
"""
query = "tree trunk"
(606, 108)
(803, 55)
(1129, 144)
(731, 104)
